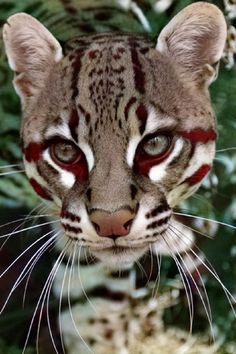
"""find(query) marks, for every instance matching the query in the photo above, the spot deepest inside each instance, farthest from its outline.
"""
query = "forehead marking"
(139, 76)
(157, 173)
(76, 64)
(73, 124)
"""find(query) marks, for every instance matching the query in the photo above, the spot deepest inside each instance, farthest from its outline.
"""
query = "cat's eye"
(65, 152)
(157, 145)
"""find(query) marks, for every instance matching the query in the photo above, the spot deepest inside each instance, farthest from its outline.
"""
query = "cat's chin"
(119, 257)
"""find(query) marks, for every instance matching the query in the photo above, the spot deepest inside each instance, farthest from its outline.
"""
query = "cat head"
(117, 131)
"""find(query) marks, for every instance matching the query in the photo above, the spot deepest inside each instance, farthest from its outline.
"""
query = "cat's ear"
(31, 50)
(195, 40)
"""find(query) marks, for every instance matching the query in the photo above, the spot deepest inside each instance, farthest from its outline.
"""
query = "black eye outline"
(77, 156)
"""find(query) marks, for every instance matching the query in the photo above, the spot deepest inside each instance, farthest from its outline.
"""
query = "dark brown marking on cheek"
(142, 116)
(129, 105)
(198, 175)
(33, 151)
(73, 124)
(68, 215)
(41, 191)
(75, 230)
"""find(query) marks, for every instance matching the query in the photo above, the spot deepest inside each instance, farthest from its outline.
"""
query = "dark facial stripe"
(41, 191)
(199, 135)
(198, 175)
(73, 124)
(76, 69)
(33, 152)
(139, 76)
(142, 116)
(66, 214)
(129, 105)
(75, 230)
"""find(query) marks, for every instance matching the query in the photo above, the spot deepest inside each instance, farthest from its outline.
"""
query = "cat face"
(116, 132)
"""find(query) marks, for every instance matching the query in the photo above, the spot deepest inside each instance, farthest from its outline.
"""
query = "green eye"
(65, 152)
(157, 145)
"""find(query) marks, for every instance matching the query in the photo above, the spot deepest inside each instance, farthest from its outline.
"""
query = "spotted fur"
(107, 95)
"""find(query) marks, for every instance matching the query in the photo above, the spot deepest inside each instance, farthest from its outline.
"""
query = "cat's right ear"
(32, 51)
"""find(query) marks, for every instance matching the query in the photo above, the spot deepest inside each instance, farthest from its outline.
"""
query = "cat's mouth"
(119, 256)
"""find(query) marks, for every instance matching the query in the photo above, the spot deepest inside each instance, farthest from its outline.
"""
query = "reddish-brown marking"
(93, 54)
(199, 135)
(198, 175)
(33, 151)
(142, 116)
(73, 124)
(76, 69)
(128, 106)
(41, 191)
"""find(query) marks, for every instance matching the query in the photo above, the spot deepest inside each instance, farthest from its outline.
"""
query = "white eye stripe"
(203, 154)
(88, 154)
(157, 173)
(66, 178)
(133, 144)
(62, 130)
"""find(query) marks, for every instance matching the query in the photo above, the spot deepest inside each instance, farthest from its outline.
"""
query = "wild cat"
(116, 132)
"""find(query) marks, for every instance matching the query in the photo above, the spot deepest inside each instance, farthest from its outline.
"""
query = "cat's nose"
(112, 225)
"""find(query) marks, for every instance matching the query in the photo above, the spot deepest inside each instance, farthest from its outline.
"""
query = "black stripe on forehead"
(139, 76)
(76, 65)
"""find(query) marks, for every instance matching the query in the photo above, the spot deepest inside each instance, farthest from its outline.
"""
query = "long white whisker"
(48, 297)
(44, 249)
(207, 306)
(206, 219)
(23, 274)
(24, 252)
(10, 166)
(186, 285)
(39, 301)
(231, 299)
(30, 228)
(11, 173)
(69, 302)
(81, 283)
(227, 149)
(157, 281)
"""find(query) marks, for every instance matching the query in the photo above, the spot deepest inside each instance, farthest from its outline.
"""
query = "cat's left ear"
(32, 51)
(194, 39)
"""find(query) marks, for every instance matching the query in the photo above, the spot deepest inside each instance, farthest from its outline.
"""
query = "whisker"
(186, 284)
(231, 299)
(10, 166)
(226, 149)
(33, 265)
(69, 299)
(51, 274)
(206, 306)
(11, 173)
(23, 274)
(81, 283)
(206, 219)
(25, 251)
(195, 230)
(158, 279)
(29, 228)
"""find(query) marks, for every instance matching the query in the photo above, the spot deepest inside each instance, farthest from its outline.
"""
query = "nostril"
(127, 224)
(96, 226)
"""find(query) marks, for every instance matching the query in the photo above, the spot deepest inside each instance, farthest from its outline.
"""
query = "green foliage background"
(215, 200)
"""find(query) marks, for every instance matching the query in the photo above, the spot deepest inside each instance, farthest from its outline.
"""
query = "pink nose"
(112, 225)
